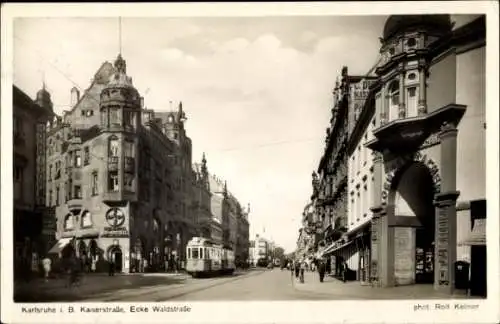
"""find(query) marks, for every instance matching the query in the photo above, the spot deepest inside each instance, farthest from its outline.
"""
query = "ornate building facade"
(31, 230)
(429, 103)
(330, 183)
(105, 208)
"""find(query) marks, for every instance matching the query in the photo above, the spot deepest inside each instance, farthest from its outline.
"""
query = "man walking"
(321, 270)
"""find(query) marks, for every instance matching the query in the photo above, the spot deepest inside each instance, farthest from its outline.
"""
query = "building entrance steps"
(337, 289)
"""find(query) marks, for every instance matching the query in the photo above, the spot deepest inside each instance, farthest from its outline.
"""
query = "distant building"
(30, 226)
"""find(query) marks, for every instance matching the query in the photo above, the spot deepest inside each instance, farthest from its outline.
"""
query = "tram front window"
(194, 253)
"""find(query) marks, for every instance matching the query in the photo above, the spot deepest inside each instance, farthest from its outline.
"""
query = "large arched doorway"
(411, 205)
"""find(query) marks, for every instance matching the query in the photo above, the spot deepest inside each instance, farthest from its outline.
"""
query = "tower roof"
(120, 78)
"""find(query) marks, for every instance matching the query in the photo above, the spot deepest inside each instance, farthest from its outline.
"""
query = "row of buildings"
(261, 249)
(399, 195)
(111, 179)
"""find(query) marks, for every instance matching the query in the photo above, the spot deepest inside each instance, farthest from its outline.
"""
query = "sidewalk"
(337, 289)
(58, 290)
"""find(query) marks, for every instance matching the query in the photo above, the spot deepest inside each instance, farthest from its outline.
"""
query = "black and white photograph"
(208, 157)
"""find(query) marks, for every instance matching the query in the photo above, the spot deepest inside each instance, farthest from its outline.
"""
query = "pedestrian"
(111, 267)
(321, 270)
(344, 269)
(297, 268)
(303, 266)
(47, 263)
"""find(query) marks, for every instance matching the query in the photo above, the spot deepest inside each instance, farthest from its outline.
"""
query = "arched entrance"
(115, 255)
(411, 207)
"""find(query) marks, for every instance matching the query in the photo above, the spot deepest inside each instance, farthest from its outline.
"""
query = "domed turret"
(435, 24)
(120, 97)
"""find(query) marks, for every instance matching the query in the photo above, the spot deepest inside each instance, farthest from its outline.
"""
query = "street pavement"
(255, 284)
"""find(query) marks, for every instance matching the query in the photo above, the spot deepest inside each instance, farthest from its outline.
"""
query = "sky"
(257, 91)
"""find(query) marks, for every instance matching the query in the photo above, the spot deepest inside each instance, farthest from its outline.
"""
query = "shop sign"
(115, 232)
(401, 161)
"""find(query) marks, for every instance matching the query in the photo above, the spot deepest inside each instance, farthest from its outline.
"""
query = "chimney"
(75, 96)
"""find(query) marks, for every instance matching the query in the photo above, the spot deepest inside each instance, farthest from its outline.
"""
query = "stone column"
(402, 97)
(446, 214)
(422, 100)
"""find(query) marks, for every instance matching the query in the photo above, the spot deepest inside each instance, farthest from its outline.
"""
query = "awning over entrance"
(57, 248)
(478, 234)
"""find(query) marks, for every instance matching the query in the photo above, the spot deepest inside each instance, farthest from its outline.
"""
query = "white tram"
(206, 257)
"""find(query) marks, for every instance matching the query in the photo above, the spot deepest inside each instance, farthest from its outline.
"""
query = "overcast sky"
(257, 91)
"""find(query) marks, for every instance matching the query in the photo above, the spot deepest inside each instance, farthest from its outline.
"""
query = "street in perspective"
(249, 158)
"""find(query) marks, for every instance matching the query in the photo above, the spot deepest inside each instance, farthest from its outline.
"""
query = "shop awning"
(335, 247)
(60, 245)
(478, 234)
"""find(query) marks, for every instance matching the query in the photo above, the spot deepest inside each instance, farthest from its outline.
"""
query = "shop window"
(113, 181)
(69, 222)
(86, 219)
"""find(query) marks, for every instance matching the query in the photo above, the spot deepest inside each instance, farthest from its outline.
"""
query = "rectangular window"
(195, 253)
(57, 196)
(129, 148)
(58, 170)
(78, 159)
(86, 155)
(129, 182)
(411, 102)
(95, 184)
(78, 192)
(113, 181)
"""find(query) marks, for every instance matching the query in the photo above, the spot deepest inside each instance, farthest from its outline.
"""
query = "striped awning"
(60, 245)
(478, 234)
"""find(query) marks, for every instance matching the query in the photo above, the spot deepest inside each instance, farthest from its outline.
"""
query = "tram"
(205, 257)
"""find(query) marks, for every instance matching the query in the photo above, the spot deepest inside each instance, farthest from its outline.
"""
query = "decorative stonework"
(397, 163)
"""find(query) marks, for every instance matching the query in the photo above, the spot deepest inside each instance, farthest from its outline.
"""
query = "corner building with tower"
(429, 191)
(120, 178)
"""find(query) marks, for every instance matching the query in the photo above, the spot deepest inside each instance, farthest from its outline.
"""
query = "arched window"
(393, 100)
(69, 222)
(86, 219)
(113, 146)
